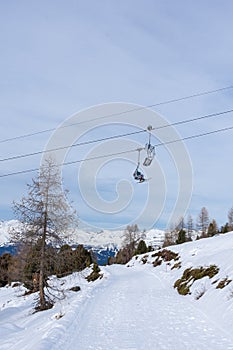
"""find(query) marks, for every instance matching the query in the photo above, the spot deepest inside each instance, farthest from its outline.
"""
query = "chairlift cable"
(124, 152)
(208, 92)
(118, 136)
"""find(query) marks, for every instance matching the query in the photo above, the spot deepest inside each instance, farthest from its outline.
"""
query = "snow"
(133, 307)
(104, 239)
(154, 238)
(5, 228)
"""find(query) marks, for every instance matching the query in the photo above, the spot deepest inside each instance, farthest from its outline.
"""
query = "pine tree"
(142, 247)
(225, 228)
(181, 237)
(212, 229)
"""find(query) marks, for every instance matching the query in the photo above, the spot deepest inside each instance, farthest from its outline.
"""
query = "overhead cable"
(115, 136)
(124, 152)
(203, 93)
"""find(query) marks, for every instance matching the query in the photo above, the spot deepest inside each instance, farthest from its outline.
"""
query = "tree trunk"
(42, 265)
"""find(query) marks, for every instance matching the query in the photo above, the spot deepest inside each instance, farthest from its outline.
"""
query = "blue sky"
(60, 57)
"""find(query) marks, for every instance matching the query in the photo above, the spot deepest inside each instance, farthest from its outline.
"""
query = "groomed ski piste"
(132, 307)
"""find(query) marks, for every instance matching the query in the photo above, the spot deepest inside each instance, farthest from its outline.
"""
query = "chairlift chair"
(149, 149)
(138, 175)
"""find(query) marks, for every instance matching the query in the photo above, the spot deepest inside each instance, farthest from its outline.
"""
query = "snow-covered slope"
(217, 250)
(133, 307)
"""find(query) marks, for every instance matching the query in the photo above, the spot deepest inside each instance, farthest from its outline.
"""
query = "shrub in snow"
(164, 255)
(192, 274)
(223, 283)
(95, 274)
(176, 265)
(157, 262)
(75, 289)
(144, 259)
(16, 284)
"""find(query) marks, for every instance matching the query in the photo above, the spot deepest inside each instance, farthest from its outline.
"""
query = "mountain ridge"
(102, 239)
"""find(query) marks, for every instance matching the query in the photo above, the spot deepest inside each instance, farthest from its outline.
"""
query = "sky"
(60, 59)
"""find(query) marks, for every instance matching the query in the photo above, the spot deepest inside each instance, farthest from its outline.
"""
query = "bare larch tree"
(230, 219)
(203, 222)
(47, 217)
(190, 226)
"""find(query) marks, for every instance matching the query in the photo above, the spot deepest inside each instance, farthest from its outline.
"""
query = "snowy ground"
(134, 307)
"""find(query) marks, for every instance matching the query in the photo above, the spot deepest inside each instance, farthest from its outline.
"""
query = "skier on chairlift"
(138, 175)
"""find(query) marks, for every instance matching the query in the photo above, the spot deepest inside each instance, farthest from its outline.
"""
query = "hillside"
(131, 307)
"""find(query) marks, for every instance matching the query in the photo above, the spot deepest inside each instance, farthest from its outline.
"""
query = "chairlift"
(138, 175)
(150, 150)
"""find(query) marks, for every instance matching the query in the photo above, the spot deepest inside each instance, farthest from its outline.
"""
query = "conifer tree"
(46, 216)
(181, 237)
(142, 247)
(213, 228)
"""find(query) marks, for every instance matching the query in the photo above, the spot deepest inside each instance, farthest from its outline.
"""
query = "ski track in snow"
(132, 308)
(135, 311)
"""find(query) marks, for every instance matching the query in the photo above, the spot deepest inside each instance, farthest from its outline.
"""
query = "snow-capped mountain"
(6, 228)
(103, 244)
(105, 238)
